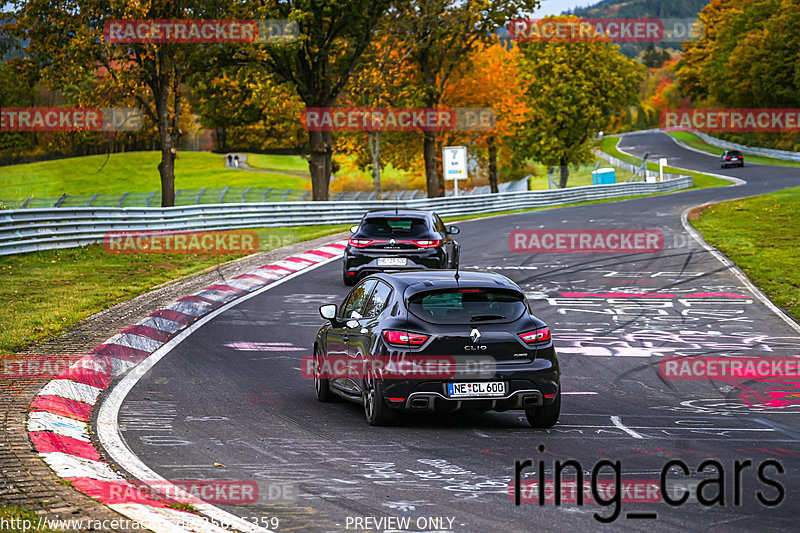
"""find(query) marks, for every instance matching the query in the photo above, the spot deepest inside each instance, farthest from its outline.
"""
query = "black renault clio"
(475, 329)
(399, 239)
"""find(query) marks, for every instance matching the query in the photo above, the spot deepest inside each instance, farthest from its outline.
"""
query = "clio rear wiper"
(478, 318)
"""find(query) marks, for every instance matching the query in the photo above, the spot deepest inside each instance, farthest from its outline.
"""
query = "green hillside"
(641, 9)
(137, 172)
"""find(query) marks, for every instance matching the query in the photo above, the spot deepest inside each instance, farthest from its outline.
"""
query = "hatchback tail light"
(403, 338)
(535, 336)
(427, 243)
(362, 243)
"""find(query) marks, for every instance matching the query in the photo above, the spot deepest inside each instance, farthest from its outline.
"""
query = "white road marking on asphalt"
(244, 346)
(618, 423)
(536, 295)
(673, 428)
(576, 392)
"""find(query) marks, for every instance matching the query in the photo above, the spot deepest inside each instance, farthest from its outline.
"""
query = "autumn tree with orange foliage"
(440, 35)
(491, 77)
(382, 80)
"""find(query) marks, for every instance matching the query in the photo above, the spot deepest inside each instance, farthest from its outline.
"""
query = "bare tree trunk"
(492, 163)
(431, 165)
(166, 168)
(374, 138)
(222, 139)
(564, 173)
(319, 163)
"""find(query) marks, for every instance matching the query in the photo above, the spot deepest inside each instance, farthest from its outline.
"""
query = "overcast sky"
(549, 7)
(555, 7)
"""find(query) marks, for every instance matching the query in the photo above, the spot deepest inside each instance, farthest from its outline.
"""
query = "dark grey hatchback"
(438, 341)
(731, 158)
(399, 239)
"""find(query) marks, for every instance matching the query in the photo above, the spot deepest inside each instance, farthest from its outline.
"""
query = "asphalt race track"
(232, 394)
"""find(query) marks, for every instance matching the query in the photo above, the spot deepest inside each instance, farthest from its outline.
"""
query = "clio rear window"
(467, 305)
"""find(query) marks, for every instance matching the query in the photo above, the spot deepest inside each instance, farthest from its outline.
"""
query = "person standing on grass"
(236, 160)
(230, 159)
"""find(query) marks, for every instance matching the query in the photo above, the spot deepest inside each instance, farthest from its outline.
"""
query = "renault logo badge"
(475, 335)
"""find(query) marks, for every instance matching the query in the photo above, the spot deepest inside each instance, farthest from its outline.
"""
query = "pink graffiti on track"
(770, 392)
(651, 295)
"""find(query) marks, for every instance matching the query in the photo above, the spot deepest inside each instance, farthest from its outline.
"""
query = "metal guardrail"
(636, 169)
(28, 230)
(214, 195)
(753, 150)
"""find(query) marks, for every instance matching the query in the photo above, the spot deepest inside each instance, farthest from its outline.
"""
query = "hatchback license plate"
(392, 261)
(476, 389)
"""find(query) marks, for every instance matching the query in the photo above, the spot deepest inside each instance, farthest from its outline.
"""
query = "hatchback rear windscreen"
(467, 306)
(395, 227)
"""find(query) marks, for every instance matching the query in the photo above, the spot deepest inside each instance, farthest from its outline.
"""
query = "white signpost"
(662, 162)
(455, 164)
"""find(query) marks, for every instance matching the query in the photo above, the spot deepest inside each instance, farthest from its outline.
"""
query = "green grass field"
(760, 235)
(135, 172)
(578, 176)
(690, 139)
(294, 163)
(23, 519)
(609, 145)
